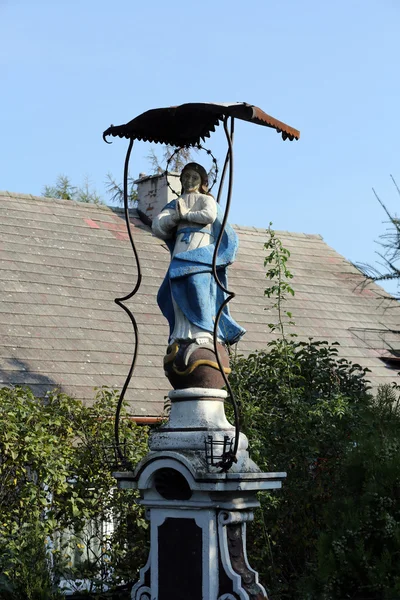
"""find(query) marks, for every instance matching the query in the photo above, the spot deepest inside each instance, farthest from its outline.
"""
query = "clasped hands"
(181, 209)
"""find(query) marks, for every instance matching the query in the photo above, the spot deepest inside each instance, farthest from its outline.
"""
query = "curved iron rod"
(229, 457)
(221, 183)
(120, 301)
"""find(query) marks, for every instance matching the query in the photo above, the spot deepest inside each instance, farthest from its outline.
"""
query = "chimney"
(154, 193)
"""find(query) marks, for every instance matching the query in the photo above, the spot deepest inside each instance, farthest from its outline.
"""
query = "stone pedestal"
(197, 513)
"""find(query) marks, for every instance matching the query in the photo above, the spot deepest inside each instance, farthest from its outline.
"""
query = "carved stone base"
(197, 416)
(197, 528)
(197, 512)
(232, 539)
(188, 364)
(198, 554)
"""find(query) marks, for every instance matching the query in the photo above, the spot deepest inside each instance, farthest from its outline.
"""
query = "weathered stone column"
(197, 513)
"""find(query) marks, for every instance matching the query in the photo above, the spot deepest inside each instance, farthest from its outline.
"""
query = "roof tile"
(63, 263)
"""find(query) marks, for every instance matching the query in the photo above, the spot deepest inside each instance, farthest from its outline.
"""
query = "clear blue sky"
(70, 68)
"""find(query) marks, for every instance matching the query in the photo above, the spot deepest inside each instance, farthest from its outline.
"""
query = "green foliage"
(57, 491)
(176, 164)
(28, 557)
(116, 190)
(177, 160)
(333, 530)
(64, 190)
(279, 277)
(305, 427)
(358, 552)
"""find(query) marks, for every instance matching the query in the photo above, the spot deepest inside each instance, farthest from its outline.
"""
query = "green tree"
(333, 531)
(358, 549)
(64, 190)
(116, 190)
(303, 425)
(57, 492)
(175, 160)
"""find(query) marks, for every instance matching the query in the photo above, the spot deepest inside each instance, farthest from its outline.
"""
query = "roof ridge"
(252, 229)
(118, 209)
(88, 205)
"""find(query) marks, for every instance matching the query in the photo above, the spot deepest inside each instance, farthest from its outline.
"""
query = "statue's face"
(191, 181)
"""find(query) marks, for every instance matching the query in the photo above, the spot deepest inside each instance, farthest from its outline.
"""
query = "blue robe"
(190, 281)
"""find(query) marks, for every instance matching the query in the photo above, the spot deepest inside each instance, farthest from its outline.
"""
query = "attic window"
(392, 359)
(383, 341)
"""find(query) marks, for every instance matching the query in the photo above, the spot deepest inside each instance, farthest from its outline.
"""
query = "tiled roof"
(63, 263)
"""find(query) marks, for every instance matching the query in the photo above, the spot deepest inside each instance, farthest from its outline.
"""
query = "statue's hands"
(182, 209)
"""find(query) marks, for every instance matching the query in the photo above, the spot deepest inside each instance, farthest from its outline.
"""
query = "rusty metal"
(188, 124)
(147, 420)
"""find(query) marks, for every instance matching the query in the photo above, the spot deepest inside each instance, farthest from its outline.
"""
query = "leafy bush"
(333, 531)
(358, 552)
(57, 493)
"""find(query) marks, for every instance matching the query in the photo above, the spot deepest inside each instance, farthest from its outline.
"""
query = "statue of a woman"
(189, 297)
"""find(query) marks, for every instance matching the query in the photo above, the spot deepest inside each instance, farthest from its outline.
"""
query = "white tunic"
(195, 209)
